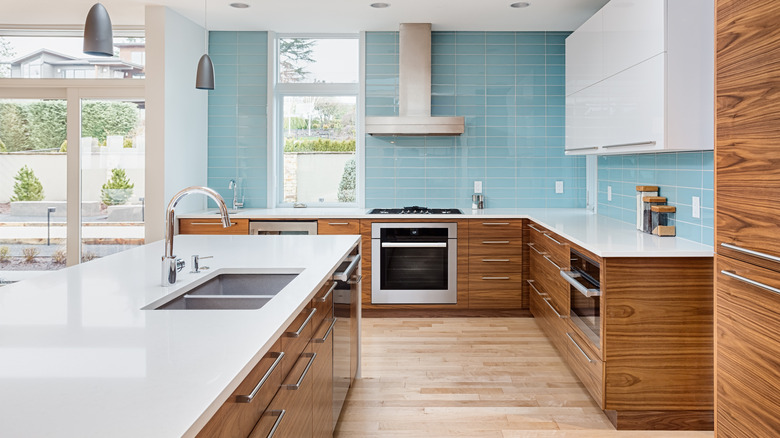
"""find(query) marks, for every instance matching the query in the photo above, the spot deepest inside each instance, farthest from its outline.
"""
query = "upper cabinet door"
(633, 32)
(584, 55)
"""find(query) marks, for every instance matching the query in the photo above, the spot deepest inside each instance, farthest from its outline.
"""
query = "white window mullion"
(73, 242)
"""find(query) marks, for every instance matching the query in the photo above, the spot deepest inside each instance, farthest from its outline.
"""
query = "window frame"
(276, 121)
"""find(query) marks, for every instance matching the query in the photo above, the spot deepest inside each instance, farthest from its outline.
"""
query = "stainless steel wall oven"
(585, 295)
(414, 263)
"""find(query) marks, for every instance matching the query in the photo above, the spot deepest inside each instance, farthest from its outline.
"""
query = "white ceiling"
(318, 15)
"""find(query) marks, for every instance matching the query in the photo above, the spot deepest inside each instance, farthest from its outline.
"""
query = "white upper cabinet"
(652, 90)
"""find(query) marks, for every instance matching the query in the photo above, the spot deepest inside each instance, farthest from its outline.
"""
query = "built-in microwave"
(585, 295)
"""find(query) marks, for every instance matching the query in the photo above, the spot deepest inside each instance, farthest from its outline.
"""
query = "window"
(316, 94)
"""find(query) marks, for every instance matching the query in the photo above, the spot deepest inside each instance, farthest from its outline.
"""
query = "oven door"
(414, 263)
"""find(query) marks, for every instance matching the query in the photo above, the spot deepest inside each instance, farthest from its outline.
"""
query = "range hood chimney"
(414, 98)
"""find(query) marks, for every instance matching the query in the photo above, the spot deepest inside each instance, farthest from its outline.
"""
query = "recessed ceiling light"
(380, 5)
(519, 5)
(239, 5)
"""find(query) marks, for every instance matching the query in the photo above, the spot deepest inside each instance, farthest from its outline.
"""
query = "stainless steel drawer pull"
(625, 145)
(357, 280)
(495, 278)
(572, 276)
(414, 245)
(547, 300)
(751, 252)
(549, 237)
(495, 223)
(280, 415)
(248, 398)
(324, 298)
(495, 242)
(338, 223)
(495, 260)
(327, 333)
(531, 283)
(297, 333)
(531, 245)
(751, 282)
(298, 384)
(535, 229)
(344, 276)
(553, 263)
(579, 348)
(210, 223)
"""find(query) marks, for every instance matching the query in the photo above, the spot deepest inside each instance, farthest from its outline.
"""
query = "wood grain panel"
(482, 264)
(586, 364)
(552, 325)
(495, 290)
(748, 351)
(548, 280)
(235, 419)
(338, 226)
(661, 420)
(293, 346)
(324, 308)
(551, 244)
(212, 226)
(322, 380)
(747, 183)
(658, 325)
(297, 403)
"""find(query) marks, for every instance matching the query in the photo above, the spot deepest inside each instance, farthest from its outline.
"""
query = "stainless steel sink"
(230, 292)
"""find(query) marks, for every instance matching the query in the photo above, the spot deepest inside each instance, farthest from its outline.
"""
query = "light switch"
(558, 186)
(696, 207)
(609, 193)
(477, 186)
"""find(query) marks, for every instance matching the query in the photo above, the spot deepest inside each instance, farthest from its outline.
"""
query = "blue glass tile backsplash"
(679, 176)
(509, 86)
(237, 115)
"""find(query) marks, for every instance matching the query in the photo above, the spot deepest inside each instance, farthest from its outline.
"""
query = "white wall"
(176, 117)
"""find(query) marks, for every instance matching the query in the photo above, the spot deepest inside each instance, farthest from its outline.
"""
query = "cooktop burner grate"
(415, 210)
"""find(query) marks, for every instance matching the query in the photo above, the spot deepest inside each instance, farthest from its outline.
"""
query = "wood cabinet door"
(747, 181)
(338, 226)
(748, 350)
(213, 226)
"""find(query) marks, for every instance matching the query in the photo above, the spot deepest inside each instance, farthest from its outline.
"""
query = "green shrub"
(127, 143)
(117, 190)
(64, 146)
(5, 253)
(318, 145)
(27, 186)
(346, 191)
(2, 146)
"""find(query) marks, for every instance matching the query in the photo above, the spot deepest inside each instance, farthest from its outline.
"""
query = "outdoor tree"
(27, 186)
(117, 190)
(7, 52)
(100, 119)
(2, 146)
(346, 191)
(14, 127)
(294, 56)
(47, 121)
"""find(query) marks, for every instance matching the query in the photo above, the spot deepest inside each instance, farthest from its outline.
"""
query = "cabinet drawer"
(238, 415)
(586, 364)
(213, 226)
(295, 399)
(485, 264)
(502, 290)
(338, 226)
(322, 399)
(496, 246)
(495, 228)
(548, 279)
(551, 322)
(296, 337)
(323, 302)
(550, 244)
(269, 423)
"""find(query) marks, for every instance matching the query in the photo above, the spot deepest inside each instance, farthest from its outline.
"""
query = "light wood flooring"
(470, 377)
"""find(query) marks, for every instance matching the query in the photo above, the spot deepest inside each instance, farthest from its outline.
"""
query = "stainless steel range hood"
(414, 99)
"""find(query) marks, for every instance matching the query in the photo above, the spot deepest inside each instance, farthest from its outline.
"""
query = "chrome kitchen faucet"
(171, 264)
(233, 186)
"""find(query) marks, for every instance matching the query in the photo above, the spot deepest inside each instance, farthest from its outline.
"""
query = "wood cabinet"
(338, 226)
(747, 186)
(495, 264)
(213, 226)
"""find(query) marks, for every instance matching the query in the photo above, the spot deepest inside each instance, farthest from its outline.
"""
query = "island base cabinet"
(295, 399)
(322, 380)
(585, 363)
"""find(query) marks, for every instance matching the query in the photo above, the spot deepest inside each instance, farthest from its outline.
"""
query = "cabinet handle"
(248, 398)
(549, 237)
(553, 263)
(572, 276)
(579, 348)
(495, 278)
(414, 245)
(749, 281)
(338, 223)
(751, 252)
(280, 415)
(582, 149)
(324, 298)
(357, 280)
(531, 226)
(625, 145)
(327, 333)
(354, 261)
(210, 223)
(531, 283)
(547, 300)
(298, 384)
(495, 260)
(495, 223)
(298, 332)
(495, 242)
(531, 245)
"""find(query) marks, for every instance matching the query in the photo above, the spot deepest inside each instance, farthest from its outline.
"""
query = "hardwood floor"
(470, 377)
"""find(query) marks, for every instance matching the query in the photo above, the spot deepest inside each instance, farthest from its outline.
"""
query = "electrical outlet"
(477, 186)
(696, 207)
(558, 186)
(609, 193)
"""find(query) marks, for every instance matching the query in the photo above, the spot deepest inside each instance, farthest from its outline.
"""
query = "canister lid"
(654, 199)
(646, 188)
(664, 208)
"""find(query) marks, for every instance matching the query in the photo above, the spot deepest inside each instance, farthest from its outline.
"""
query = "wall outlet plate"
(558, 186)
(696, 203)
(477, 186)
(609, 193)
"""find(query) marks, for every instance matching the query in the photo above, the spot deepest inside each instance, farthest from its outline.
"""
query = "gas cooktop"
(415, 210)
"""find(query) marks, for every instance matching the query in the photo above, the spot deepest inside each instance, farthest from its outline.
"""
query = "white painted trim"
(360, 146)
(65, 83)
(271, 123)
(319, 36)
(591, 183)
(73, 178)
(65, 30)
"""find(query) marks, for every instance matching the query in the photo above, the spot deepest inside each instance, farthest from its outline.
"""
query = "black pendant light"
(204, 79)
(98, 38)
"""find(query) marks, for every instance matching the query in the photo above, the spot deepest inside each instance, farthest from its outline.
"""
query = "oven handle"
(414, 245)
(347, 273)
(571, 277)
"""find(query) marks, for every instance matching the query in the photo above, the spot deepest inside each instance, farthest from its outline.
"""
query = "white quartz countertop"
(79, 358)
(603, 236)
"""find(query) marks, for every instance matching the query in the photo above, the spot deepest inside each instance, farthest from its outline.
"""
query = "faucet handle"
(196, 263)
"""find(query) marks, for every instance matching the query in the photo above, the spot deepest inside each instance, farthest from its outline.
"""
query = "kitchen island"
(79, 357)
